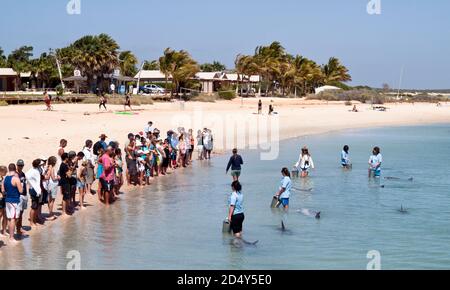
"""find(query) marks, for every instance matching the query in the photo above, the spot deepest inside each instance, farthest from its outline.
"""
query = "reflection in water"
(177, 222)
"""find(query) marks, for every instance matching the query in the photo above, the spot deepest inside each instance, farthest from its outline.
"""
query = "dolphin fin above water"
(403, 210)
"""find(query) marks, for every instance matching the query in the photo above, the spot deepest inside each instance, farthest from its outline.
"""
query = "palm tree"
(334, 72)
(44, 69)
(269, 59)
(94, 56)
(179, 65)
(20, 60)
(166, 65)
(245, 66)
(151, 65)
(307, 74)
(128, 62)
(213, 67)
(2, 58)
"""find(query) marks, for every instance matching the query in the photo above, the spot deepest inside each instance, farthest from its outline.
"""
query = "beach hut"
(79, 83)
(8, 80)
(211, 81)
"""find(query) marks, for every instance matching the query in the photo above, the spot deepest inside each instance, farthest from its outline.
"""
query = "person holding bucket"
(283, 194)
(236, 210)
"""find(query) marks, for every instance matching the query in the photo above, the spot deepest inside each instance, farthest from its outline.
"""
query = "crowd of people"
(146, 156)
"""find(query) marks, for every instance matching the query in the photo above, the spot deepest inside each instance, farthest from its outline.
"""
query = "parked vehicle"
(151, 89)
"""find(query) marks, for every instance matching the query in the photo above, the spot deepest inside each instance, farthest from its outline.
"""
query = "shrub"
(204, 98)
(227, 95)
(59, 90)
(3, 103)
(362, 96)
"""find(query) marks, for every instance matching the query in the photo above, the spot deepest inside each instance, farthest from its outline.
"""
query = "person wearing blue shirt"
(12, 187)
(236, 210)
(235, 163)
(284, 193)
(345, 159)
(375, 161)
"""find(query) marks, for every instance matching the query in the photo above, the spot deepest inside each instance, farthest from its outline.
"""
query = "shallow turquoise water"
(176, 224)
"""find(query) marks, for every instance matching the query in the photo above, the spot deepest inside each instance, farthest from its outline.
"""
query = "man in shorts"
(12, 188)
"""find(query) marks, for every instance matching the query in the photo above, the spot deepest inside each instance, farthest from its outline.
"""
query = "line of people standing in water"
(147, 156)
(304, 164)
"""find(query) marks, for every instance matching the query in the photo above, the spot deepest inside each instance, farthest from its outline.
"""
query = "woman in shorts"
(236, 210)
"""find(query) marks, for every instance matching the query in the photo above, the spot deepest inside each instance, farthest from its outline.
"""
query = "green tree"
(3, 61)
(269, 59)
(334, 72)
(245, 66)
(151, 65)
(128, 62)
(179, 65)
(20, 60)
(94, 56)
(213, 67)
(44, 69)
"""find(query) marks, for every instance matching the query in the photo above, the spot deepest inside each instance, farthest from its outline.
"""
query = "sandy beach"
(30, 132)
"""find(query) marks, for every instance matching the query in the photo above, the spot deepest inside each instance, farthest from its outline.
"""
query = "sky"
(409, 34)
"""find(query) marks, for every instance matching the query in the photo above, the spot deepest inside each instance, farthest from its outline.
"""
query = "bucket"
(275, 202)
(226, 227)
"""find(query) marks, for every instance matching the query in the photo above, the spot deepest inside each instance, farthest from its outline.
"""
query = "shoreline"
(285, 134)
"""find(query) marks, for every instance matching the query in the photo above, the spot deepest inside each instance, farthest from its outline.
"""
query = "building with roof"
(151, 76)
(8, 80)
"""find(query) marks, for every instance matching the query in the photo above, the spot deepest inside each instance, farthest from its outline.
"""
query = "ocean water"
(177, 222)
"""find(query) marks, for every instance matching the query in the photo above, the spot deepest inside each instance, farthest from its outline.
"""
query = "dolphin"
(403, 210)
(398, 178)
(304, 190)
(283, 229)
(310, 213)
(240, 243)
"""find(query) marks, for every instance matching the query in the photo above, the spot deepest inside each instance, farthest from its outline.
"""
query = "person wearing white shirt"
(34, 180)
(149, 128)
(345, 159)
(90, 158)
(305, 162)
(375, 161)
(284, 192)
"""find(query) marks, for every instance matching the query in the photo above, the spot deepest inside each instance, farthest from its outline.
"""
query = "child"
(81, 182)
(118, 182)
(141, 169)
